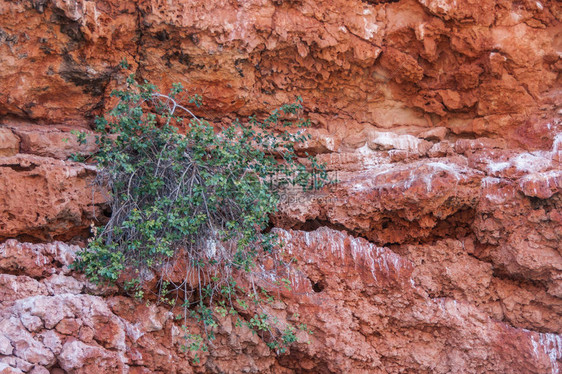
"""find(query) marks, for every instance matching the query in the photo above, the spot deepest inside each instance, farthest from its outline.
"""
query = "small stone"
(31, 323)
(39, 370)
(51, 340)
(435, 134)
(5, 346)
(68, 326)
(58, 284)
(9, 143)
(15, 363)
(7, 369)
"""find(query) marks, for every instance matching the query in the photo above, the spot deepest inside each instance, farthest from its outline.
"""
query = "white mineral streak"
(551, 345)
(528, 162)
(381, 262)
(426, 172)
(548, 177)
(390, 140)
(490, 193)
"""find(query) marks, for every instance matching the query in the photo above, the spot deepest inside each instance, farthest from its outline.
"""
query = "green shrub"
(202, 194)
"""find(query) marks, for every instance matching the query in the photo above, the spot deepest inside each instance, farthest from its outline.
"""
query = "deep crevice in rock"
(19, 168)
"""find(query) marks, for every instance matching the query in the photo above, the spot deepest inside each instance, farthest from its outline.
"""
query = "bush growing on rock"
(199, 196)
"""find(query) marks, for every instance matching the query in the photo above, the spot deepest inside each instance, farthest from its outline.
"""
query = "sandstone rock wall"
(438, 250)
(477, 68)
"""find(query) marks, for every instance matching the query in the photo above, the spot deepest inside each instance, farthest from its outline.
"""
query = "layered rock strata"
(437, 250)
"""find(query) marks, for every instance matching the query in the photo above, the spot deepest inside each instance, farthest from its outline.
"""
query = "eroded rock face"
(57, 320)
(470, 67)
(437, 250)
(370, 310)
(44, 198)
(392, 322)
(469, 279)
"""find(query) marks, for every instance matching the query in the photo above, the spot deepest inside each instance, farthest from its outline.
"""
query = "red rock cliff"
(439, 250)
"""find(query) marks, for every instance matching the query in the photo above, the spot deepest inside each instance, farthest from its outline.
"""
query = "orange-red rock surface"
(472, 67)
(370, 310)
(45, 199)
(438, 250)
